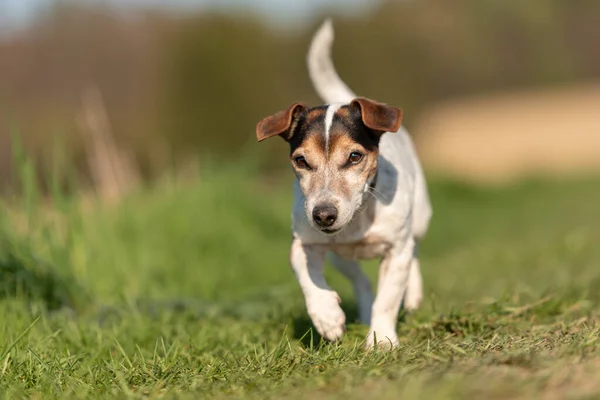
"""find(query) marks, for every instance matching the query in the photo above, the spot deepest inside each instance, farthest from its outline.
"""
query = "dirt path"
(500, 139)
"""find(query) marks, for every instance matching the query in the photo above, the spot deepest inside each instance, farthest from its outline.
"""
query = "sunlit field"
(185, 291)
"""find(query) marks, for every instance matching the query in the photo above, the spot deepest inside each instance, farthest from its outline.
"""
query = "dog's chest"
(367, 248)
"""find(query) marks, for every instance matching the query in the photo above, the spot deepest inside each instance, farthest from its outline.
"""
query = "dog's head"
(333, 150)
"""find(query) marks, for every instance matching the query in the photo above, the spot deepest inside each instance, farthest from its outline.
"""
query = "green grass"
(185, 291)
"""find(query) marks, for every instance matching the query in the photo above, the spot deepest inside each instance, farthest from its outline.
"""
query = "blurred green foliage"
(198, 83)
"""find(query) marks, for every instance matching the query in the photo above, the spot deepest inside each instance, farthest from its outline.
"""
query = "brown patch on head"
(309, 125)
(347, 122)
(315, 115)
(343, 113)
(343, 142)
(312, 147)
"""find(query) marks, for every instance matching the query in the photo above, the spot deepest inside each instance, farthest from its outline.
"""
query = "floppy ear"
(280, 123)
(378, 116)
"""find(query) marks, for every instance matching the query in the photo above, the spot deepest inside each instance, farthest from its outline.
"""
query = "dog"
(360, 193)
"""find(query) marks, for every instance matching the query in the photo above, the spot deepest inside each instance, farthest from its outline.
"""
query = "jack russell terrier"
(359, 193)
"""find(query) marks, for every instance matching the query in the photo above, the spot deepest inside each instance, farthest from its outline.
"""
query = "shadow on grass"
(304, 331)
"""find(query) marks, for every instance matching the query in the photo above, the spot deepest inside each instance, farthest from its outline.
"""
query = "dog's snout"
(325, 215)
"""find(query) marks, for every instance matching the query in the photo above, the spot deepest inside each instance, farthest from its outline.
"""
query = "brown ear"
(280, 123)
(378, 116)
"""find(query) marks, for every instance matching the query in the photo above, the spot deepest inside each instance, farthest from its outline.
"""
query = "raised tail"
(326, 81)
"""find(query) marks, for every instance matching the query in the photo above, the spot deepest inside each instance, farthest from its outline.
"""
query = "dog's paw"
(382, 338)
(327, 315)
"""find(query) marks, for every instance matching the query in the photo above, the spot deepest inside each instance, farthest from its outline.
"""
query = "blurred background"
(184, 284)
(492, 91)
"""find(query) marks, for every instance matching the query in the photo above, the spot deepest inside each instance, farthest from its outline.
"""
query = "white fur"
(331, 109)
(322, 303)
(401, 210)
(322, 73)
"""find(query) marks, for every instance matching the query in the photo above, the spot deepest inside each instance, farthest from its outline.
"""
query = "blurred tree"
(199, 82)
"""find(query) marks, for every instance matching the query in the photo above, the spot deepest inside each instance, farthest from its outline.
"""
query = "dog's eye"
(301, 162)
(355, 157)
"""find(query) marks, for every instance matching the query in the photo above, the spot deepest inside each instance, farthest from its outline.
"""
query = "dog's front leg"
(393, 279)
(322, 303)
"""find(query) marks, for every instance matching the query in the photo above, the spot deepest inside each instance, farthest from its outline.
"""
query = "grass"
(184, 292)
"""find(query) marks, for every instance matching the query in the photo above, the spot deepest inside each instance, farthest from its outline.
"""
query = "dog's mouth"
(330, 231)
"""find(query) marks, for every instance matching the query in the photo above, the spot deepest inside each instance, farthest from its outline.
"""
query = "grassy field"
(185, 291)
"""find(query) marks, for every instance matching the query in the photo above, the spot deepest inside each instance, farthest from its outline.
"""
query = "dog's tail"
(323, 75)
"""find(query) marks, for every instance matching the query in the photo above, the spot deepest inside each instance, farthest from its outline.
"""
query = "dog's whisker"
(374, 197)
(374, 190)
(372, 194)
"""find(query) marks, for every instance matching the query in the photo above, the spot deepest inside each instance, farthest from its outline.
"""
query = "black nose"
(324, 215)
